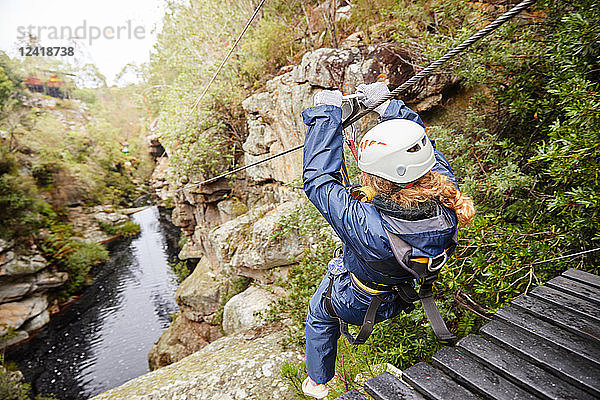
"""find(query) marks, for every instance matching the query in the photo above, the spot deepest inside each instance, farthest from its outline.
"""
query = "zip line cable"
(195, 105)
(400, 89)
(567, 256)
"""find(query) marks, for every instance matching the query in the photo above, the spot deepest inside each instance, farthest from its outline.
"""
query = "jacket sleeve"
(323, 185)
(397, 109)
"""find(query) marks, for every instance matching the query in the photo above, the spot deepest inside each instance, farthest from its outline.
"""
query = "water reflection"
(103, 340)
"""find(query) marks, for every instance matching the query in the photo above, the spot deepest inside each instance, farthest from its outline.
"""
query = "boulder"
(13, 315)
(242, 366)
(181, 339)
(199, 295)
(231, 208)
(243, 311)
(247, 242)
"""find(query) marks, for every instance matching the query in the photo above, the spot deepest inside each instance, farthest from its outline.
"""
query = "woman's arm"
(323, 150)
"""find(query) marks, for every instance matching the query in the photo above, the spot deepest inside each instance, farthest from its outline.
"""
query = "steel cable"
(400, 89)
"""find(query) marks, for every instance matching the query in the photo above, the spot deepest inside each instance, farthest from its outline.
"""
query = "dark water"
(103, 339)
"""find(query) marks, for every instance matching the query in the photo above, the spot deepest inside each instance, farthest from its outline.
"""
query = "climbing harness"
(399, 90)
(424, 270)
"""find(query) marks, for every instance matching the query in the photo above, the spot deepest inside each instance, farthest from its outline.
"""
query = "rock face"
(230, 225)
(24, 281)
(242, 366)
(274, 117)
(13, 315)
(88, 220)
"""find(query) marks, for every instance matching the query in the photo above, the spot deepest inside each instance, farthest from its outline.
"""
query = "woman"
(417, 199)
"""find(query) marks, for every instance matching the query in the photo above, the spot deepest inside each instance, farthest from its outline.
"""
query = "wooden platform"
(545, 345)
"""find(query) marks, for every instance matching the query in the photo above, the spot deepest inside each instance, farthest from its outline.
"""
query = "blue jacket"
(367, 252)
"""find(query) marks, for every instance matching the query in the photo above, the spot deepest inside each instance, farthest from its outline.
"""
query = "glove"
(374, 92)
(329, 97)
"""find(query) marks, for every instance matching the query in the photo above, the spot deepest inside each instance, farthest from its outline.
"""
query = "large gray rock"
(247, 243)
(199, 295)
(37, 322)
(245, 310)
(20, 287)
(238, 367)
(13, 315)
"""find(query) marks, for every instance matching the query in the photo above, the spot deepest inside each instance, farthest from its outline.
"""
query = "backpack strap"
(426, 274)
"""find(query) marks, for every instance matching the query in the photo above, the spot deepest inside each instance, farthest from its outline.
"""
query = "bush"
(73, 256)
(21, 210)
(12, 388)
(124, 229)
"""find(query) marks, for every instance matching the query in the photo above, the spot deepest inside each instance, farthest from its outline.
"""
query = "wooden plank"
(572, 303)
(575, 288)
(387, 387)
(527, 322)
(578, 324)
(569, 366)
(478, 378)
(582, 276)
(351, 395)
(521, 371)
(435, 385)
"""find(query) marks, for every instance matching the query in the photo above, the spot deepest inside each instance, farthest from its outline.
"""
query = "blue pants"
(323, 331)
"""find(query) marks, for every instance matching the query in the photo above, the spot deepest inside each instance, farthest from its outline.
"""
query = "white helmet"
(397, 150)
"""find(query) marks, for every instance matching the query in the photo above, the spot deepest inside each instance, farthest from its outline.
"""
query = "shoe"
(316, 390)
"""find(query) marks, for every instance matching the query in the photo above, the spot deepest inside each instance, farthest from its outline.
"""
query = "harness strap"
(435, 319)
(368, 322)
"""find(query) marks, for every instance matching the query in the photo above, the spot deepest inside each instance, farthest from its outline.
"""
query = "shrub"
(124, 229)
(20, 208)
(73, 256)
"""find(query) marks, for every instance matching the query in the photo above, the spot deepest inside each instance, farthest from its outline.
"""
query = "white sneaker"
(316, 390)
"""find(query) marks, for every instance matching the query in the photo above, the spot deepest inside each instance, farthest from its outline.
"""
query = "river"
(103, 339)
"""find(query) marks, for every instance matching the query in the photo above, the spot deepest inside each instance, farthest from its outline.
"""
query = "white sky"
(109, 55)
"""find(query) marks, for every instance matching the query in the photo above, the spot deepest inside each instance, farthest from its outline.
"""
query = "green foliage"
(6, 87)
(181, 270)
(86, 95)
(21, 210)
(124, 229)
(73, 256)
(12, 388)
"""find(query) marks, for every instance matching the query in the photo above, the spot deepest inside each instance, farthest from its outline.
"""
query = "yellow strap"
(365, 288)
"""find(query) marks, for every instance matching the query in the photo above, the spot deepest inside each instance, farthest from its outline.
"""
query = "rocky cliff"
(228, 226)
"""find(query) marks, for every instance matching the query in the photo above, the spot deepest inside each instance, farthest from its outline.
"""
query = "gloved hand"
(330, 97)
(374, 92)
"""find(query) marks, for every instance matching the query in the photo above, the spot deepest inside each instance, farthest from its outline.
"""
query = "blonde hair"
(430, 186)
